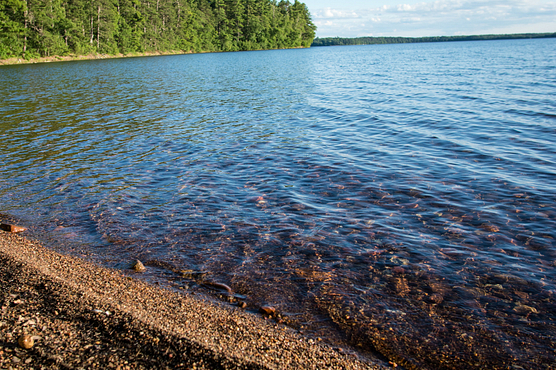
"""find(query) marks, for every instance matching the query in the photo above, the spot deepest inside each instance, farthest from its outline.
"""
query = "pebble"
(148, 340)
(26, 341)
(138, 266)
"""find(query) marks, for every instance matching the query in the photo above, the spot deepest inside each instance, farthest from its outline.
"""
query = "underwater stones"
(401, 286)
(490, 228)
(257, 199)
(221, 286)
(267, 310)
(12, 228)
(522, 309)
(26, 341)
(137, 266)
(190, 274)
(435, 298)
(398, 270)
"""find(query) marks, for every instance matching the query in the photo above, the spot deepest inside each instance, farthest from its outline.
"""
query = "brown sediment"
(84, 316)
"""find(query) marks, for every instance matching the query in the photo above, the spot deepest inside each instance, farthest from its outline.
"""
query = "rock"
(436, 298)
(491, 228)
(12, 228)
(138, 266)
(190, 274)
(524, 309)
(398, 270)
(242, 304)
(26, 341)
(257, 199)
(267, 310)
(222, 286)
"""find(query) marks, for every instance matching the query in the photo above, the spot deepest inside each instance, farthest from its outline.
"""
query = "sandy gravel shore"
(68, 58)
(82, 316)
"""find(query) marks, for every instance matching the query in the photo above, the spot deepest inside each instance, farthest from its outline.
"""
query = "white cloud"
(404, 7)
(334, 13)
(441, 17)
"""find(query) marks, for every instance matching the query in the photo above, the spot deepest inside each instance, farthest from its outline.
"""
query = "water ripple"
(395, 198)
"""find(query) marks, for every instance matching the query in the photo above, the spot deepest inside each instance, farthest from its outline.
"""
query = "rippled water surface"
(398, 199)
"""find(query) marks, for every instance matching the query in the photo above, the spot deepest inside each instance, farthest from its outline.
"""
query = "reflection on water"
(398, 199)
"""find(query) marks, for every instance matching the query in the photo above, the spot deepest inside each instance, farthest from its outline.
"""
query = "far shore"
(74, 57)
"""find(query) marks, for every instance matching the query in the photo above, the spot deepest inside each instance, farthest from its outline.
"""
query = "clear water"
(398, 199)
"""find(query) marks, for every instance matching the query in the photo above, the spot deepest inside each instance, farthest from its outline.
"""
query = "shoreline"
(73, 57)
(85, 316)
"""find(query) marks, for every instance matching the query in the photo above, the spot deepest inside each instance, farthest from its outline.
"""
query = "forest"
(338, 41)
(40, 28)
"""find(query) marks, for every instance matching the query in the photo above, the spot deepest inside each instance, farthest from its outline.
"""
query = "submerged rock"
(221, 286)
(138, 266)
(267, 310)
(12, 228)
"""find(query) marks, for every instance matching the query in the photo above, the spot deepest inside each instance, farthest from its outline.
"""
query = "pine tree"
(31, 28)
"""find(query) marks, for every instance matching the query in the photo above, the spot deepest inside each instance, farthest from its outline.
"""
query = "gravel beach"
(81, 316)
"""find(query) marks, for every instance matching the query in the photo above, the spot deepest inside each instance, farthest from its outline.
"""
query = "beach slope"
(84, 316)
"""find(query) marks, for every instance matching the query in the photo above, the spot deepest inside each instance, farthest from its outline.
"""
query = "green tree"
(57, 27)
(234, 13)
(12, 28)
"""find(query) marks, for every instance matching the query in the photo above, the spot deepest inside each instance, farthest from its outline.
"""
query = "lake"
(395, 200)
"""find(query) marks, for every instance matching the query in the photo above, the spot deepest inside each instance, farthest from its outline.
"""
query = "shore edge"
(73, 57)
(85, 316)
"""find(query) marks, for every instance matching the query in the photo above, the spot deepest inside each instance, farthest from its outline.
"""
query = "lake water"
(396, 199)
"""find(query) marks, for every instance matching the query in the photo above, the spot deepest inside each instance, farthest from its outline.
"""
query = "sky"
(411, 18)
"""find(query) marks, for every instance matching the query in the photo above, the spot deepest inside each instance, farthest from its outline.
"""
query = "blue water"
(395, 199)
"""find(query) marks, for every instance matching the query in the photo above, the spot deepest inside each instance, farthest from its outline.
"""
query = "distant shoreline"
(317, 42)
(72, 57)
(344, 41)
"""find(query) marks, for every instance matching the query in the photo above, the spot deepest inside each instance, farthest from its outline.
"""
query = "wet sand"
(82, 316)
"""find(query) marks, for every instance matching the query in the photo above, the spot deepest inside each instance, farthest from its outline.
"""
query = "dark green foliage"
(337, 41)
(12, 30)
(32, 28)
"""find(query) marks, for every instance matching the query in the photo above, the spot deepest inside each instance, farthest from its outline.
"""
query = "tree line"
(35, 28)
(336, 41)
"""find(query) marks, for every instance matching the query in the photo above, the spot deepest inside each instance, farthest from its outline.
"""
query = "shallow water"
(398, 199)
